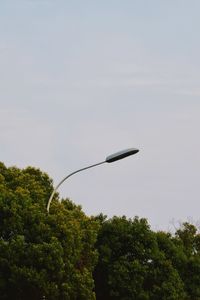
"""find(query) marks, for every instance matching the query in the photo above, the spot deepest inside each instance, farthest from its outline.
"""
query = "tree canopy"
(66, 255)
(132, 265)
(42, 255)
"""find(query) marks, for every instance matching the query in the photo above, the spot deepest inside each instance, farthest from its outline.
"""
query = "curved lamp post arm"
(54, 191)
(109, 159)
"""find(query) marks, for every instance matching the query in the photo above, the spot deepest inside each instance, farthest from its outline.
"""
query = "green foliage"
(132, 265)
(53, 256)
(189, 239)
(42, 254)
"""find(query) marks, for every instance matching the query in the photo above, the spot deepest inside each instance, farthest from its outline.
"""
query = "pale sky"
(80, 80)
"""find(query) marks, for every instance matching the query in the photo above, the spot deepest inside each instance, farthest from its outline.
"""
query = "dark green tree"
(132, 265)
(189, 238)
(43, 255)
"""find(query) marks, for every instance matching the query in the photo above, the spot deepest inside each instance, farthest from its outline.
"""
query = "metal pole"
(54, 191)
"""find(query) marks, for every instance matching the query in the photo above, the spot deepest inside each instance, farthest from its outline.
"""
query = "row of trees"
(68, 255)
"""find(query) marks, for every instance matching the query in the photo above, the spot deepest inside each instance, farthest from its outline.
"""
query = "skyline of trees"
(68, 255)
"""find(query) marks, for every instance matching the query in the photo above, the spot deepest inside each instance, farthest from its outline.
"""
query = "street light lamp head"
(121, 154)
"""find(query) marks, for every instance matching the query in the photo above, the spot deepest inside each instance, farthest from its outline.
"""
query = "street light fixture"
(109, 159)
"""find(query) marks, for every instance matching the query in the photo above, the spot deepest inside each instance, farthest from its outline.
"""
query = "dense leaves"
(137, 263)
(132, 265)
(42, 255)
(66, 255)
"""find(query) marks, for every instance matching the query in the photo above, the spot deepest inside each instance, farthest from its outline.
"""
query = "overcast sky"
(80, 80)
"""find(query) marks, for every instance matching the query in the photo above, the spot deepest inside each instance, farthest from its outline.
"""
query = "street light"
(109, 159)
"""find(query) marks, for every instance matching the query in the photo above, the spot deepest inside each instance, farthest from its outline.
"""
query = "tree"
(132, 266)
(42, 254)
(189, 239)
